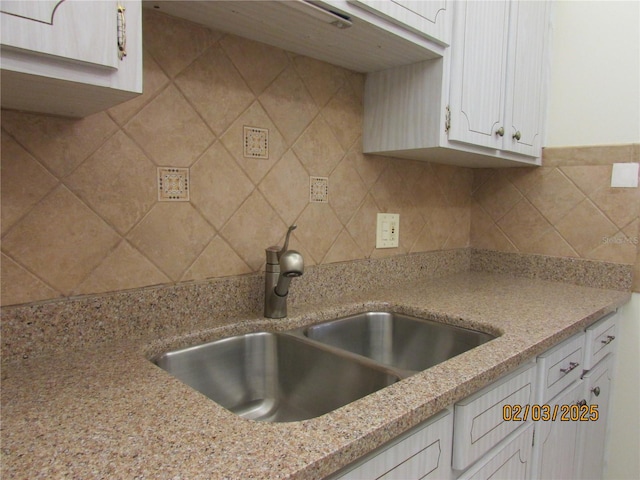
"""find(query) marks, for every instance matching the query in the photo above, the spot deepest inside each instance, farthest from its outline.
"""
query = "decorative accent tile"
(173, 184)
(318, 190)
(256, 142)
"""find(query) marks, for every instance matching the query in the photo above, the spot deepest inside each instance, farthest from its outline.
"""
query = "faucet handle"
(285, 247)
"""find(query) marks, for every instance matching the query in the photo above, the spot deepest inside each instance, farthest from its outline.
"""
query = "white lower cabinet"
(546, 420)
(509, 460)
(422, 453)
(593, 435)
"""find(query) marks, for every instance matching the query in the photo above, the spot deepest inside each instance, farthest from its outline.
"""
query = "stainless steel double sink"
(310, 371)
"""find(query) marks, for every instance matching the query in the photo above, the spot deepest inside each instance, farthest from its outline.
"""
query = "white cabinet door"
(478, 72)
(430, 18)
(73, 30)
(593, 434)
(510, 460)
(526, 87)
(556, 441)
(63, 58)
(422, 453)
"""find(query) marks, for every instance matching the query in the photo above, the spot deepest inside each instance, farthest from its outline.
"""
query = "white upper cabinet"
(481, 105)
(431, 18)
(70, 58)
(497, 70)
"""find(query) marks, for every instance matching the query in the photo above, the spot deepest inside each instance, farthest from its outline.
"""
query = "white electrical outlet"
(388, 230)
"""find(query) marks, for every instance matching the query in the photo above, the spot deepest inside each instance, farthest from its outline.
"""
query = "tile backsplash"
(246, 126)
(82, 210)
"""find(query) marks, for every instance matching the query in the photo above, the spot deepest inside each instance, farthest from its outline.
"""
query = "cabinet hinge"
(447, 119)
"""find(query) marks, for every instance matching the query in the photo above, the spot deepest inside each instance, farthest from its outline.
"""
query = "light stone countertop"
(108, 412)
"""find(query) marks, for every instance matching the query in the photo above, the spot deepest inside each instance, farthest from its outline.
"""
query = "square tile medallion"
(256, 142)
(173, 184)
(318, 190)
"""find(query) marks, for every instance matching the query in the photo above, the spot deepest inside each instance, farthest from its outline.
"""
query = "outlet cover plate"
(388, 230)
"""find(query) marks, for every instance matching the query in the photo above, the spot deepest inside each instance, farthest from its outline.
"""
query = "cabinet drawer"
(600, 340)
(478, 420)
(510, 460)
(424, 452)
(559, 367)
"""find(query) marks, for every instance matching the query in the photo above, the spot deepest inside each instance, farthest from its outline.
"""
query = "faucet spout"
(282, 265)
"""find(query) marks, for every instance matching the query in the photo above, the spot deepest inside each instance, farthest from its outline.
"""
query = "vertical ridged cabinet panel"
(478, 72)
(511, 460)
(559, 367)
(555, 448)
(600, 340)
(402, 107)
(479, 419)
(422, 453)
(593, 435)
(527, 77)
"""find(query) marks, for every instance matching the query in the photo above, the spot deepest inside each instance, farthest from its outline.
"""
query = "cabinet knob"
(596, 391)
(517, 135)
(500, 132)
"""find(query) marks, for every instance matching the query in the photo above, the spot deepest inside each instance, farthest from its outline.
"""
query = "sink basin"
(274, 377)
(396, 340)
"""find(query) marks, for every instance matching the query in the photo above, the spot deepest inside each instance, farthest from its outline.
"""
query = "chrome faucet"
(282, 266)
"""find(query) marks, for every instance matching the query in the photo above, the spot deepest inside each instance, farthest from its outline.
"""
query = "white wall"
(595, 73)
(595, 100)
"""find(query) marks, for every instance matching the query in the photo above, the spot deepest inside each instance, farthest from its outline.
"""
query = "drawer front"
(510, 460)
(424, 452)
(478, 419)
(600, 340)
(559, 367)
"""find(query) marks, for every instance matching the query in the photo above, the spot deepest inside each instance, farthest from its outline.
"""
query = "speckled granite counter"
(108, 412)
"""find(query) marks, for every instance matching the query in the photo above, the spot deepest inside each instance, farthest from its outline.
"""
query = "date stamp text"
(577, 412)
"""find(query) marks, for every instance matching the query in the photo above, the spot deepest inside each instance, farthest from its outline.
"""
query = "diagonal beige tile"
(258, 63)
(286, 187)
(215, 89)
(117, 182)
(585, 227)
(122, 269)
(369, 167)
(460, 236)
(552, 244)
(525, 178)
(523, 225)
(20, 286)
(480, 222)
(344, 249)
(154, 81)
(482, 176)
(172, 235)
(60, 240)
(289, 104)
(217, 260)
(494, 239)
(233, 139)
(24, 182)
(390, 193)
(171, 140)
(317, 229)
(621, 205)
(322, 79)
(618, 248)
(362, 225)
(588, 178)
(497, 196)
(554, 195)
(411, 224)
(456, 183)
(253, 228)
(427, 240)
(61, 144)
(344, 114)
(218, 185)
(174, 42)
(318, 149)
(346, 190)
